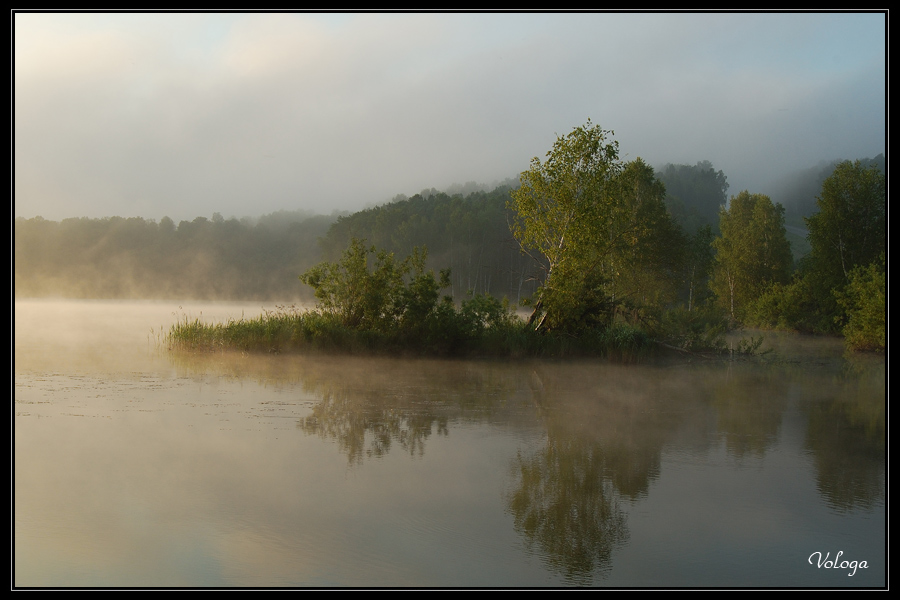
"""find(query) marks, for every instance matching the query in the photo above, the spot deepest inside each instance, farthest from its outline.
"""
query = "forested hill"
(261, 259)
(138, 258)
(469, 235)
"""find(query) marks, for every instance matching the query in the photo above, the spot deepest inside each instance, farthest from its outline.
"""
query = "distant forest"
(261, 258)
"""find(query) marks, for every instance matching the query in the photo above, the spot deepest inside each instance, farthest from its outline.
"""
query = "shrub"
(863, 299)
(388, 297)
(701, 329)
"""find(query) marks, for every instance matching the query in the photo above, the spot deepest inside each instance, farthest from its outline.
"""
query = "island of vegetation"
(615, 266)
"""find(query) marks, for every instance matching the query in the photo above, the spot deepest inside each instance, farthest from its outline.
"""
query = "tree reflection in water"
(370, 406)
(363, 430)
(606, 429)
(605, 432)
(564, 505)
(846, 438)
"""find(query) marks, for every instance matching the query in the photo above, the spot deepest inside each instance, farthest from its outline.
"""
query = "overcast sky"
(183, 115)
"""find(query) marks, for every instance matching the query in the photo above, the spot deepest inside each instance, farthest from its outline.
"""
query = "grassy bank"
(450, 332)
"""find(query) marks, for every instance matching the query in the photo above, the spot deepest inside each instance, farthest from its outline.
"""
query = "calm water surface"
(135, 466)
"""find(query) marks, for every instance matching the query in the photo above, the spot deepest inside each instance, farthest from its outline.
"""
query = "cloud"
(189, 114)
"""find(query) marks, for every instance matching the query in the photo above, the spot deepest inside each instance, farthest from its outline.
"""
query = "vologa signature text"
(828, 563)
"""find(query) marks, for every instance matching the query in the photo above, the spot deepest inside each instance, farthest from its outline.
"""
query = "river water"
(135, 466)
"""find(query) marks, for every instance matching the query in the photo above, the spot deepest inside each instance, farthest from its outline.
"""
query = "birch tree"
(752, 253)
(562, 216)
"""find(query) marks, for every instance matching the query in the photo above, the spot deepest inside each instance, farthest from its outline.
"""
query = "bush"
(383, 304)
(788, 307)
(863, 299)
(701, 329)
(386, 297)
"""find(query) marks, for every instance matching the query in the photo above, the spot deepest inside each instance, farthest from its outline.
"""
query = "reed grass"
(449, 333)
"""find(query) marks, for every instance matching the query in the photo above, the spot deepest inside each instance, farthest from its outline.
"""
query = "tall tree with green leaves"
(563, 216)
(601, 230)
(752, 252)
(643, 265)
(850, 230)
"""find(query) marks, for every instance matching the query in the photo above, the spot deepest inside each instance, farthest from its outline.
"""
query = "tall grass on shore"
(273, 331)
(450, 332)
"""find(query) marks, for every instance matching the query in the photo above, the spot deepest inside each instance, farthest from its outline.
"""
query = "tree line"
(612, 251)
(118, 257)
(584, 238)
(602, 243)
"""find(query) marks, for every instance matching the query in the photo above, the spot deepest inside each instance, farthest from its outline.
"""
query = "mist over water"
(106, 335)
(136, 466)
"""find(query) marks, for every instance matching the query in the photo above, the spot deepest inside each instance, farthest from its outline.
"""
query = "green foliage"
(563, 215)
(750, 346)
(385, 297)
(600, 230)
(396, 306)
(369, 302)
(864, 301)
(851, 225)
(849, 230)
(575, 300)
(751, 254)
(469, 235)
(643, 267)
(625, 342)
(781, 306)
(483, 313)
(564, 204)
(836, 289)
(702, 329)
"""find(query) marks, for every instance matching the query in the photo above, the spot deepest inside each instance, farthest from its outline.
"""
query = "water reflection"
(606, 427)
(846, 437)
(749, 405)
(563, 505)
(369, 429)
(605, 430)
(322, 470)
(369, 405)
